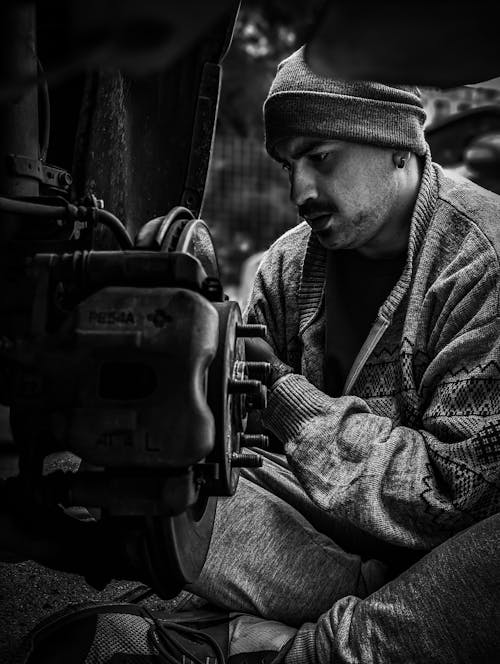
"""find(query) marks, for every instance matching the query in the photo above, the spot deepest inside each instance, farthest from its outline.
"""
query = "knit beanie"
(300, 103)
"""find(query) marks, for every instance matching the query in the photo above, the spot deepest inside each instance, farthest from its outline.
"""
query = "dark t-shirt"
(356, 287)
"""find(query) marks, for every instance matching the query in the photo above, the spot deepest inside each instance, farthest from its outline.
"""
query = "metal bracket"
(202, 137)
(52, 176)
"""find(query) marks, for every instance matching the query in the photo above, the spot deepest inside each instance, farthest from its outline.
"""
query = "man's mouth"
(319, 222)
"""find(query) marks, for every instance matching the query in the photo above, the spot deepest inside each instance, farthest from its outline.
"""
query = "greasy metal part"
(176, 547)
(85, 272)
(159, 235)
(231, 394)
(228, 409)
(134, 345)
(51, 176)
(204, 124)
(434, 45)
(19, 135)
(203, 137)
(251, 331)
(254, 440)
(246, 460)
(259, 371)
(122, 493)
(18, 116)
(141, 167)
(243, 386)
(169, 542)
(137, 144)
(196, 239)
(106, 388)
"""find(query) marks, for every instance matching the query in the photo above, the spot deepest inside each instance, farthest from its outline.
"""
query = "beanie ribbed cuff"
(301, 103)
(343, 117)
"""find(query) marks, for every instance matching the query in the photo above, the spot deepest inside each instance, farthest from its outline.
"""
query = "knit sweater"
(410, 452)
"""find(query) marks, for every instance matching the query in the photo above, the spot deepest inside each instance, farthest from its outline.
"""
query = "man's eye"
(285, 167)
(317, 157)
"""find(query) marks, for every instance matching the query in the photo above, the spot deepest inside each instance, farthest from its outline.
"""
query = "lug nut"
(250, 331)
(259, 371)
(243, 386)
(253, 440)
(246, 460)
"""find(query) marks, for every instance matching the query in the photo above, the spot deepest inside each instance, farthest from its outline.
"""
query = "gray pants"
(275, 554)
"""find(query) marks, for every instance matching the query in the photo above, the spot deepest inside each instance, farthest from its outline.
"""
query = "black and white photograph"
(249, 332)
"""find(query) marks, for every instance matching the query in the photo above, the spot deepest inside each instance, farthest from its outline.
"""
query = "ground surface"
(30, 592)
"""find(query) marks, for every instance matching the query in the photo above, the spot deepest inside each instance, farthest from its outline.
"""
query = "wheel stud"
(249, 331)
(246, 460)
(243, 386)
(259, 371)
(253, 440)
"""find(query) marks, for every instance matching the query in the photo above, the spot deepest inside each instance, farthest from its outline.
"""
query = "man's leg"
(444, 609)
(266, 557)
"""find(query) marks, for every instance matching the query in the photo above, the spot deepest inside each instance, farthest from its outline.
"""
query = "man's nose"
(302, 186)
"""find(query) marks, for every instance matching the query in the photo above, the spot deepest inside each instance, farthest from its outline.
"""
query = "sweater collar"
(312, 286)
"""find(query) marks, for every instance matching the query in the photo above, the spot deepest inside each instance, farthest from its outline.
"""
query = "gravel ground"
(30, 592)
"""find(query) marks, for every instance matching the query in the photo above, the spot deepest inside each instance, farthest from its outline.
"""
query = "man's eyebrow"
(310, 145)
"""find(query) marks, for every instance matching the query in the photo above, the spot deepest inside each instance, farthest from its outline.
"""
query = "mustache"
(311, 208)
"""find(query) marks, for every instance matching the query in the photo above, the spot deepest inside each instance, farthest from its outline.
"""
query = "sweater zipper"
(376, 332)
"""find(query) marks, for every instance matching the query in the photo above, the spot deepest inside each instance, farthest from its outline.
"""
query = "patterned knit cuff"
(292, 399)
(278, 370)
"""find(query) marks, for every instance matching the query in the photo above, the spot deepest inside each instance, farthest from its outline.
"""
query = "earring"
(400, 159)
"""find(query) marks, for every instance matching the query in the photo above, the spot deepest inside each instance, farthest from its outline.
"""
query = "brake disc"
(176, 547)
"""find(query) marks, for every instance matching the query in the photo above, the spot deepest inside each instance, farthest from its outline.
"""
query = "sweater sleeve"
(412, 487)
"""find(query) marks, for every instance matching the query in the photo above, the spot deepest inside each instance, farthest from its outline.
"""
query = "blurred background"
(246, 202)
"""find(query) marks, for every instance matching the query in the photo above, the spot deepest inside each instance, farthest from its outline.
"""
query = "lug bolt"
(250, 331)
(246, 460)
(253, 440)
(243, 386)
(259, 371)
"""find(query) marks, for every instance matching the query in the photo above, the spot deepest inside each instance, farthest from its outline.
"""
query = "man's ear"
(401, 158)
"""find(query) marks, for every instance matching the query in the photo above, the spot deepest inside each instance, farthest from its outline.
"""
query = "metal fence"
(246, 203)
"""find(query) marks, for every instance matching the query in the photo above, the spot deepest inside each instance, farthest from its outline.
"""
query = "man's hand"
(258, 350)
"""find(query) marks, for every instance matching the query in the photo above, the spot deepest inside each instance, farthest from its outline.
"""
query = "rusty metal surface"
(136, 147)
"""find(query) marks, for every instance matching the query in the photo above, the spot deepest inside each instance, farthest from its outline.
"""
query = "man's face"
(347, 192)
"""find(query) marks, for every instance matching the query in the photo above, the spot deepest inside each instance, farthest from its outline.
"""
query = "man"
(376, 539)
(383, 335)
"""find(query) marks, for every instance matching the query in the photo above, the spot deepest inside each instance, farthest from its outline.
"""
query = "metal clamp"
(52, 176)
